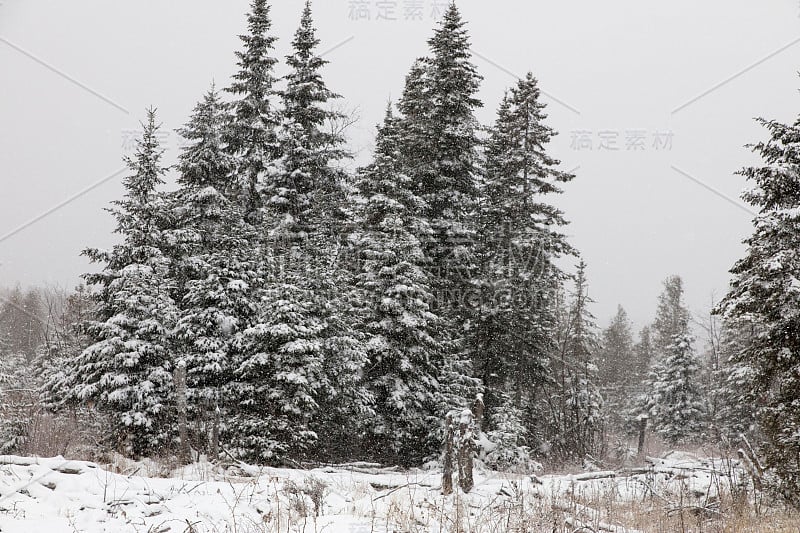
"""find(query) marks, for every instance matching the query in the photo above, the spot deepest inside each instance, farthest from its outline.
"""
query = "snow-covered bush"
(16, 401)
(505, 445)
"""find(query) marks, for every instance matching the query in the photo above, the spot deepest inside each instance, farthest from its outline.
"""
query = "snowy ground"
(59, 496)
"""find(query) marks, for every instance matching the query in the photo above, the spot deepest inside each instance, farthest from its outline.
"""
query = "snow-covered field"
(60, 496)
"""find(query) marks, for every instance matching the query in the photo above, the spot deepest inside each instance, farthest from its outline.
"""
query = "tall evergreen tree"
(672, 316)
(677, 410)
(579, 417)
(616, 353)
(415, 108)
(453, 81)
(439, 125)
(644, 354)
(404, 371)
(252, 132)
(671, 394)
(439, 153)
(22, 321)
(765, 291)
(301, 328)
(217, 270)
(734, 387)
(617, 363)
(127, 368)
(306, 148)
(205, 161)
(520, 240)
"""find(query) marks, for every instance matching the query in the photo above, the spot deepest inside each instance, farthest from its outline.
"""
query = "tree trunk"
(180, 392)
(466, 449)
(214, 448)
(642, 429)
(447, 474)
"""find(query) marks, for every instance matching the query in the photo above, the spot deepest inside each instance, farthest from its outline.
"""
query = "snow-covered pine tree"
(672, 316)
(734, 387)
(306, 148)
(678, 406)
(616, 361)
(519, 241)
(438, 147)
(17, 400)
(415, 109)
(509, 441)
(616, 353)
(643, 352)
(277, 377)
(579, 416)
(252, 131)
(765, 289)
(300, 361)
(205, 160)
(440, 155)
(127, 368)
(671, 322)
(404, 348)
(22, 321)
(217, 267)
(311, 149)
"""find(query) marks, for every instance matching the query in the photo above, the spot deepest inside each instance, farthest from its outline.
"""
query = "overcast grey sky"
(77, 76)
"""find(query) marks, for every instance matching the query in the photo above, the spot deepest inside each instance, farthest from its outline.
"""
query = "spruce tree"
(441, 156)
(617, 364)
(22, 321)
(127, 368)
(678, 410)
(205, 161)
(734, 387)
(306, 152)
(672, 316)
(643, 352)
(765, 291)
(509, 437)
(404, 348)
(672, 395)
(217, 269)
(276, 378)
(252, 131)
(518, 245)
(301, 328)
(670, 324)
(580, 417)
(616, 359)
(438, 149)
(415, 108)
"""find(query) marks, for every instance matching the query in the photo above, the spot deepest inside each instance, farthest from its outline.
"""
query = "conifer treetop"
(306, 90)
(254, 61)
(205, 162)
(450, 45)
(147, 174)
